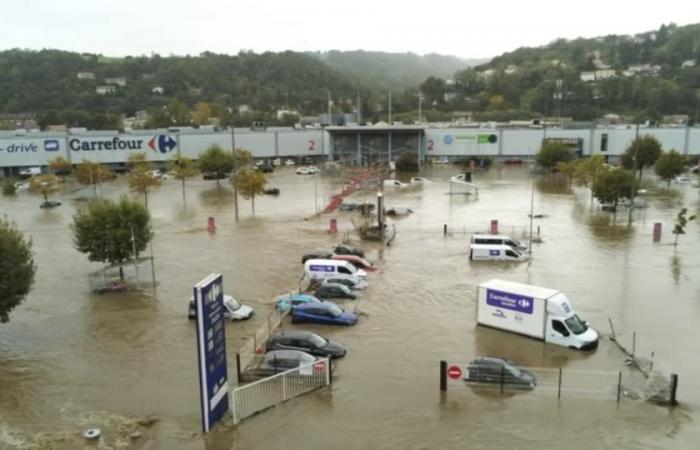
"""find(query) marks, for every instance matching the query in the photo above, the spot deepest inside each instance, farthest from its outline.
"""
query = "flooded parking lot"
(70, 359)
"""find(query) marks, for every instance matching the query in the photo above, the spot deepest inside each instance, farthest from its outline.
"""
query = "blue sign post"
(211, 349)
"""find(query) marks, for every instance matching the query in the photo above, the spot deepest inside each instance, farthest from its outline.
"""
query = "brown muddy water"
(71, 360)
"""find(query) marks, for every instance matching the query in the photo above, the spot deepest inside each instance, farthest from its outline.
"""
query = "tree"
(215, 162)
(17, 268)
(680, 223)
(183, 168)
(408, 162)
(670, 165)
(60, 166)
(250, 183)
(142, 178)
(587, 171)
(92, 174)
(569, 168)
(44, 185)
(104, 231)
(645, 149)
(612, 185)
(551, 154)
(8, 186)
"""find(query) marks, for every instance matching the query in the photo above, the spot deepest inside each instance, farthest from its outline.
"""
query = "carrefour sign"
(161, 143)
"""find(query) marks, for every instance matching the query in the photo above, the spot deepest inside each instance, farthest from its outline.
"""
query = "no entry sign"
(454, 372)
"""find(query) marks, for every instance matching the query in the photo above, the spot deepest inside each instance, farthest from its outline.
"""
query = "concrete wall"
(36, 149)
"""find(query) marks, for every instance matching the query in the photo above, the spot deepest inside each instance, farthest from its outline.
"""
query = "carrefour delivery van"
(318, 269)
(487, 252)
(533, 311)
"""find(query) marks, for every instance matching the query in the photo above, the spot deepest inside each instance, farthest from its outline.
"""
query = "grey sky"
(462, 28)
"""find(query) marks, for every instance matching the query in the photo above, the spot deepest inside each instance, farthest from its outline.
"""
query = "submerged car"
(287, 302)
(356, 261)
(323, 313)
(334, 290)
(306, 341)
(343, 249)
(350, 281)
(277, 361)
(499, 371)
(315, 255)
(233, 309)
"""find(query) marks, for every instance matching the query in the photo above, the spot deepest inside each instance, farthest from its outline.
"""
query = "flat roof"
(380, 128)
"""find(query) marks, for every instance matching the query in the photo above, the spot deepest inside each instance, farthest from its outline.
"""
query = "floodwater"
(71, 360)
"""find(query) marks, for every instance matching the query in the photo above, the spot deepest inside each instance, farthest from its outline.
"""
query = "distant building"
(141, 115)
(449, 96)
(645, 69)
(282, 112)
(486, 74)
(243, 109)
(103, 90)
(118, 81)
(604, 74)
(676, 119)
(688, 63)
(86, 76)
(511, 69)
(57, 128)
(158, 90)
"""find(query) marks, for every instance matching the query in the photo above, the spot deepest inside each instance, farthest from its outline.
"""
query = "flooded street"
(71, 360)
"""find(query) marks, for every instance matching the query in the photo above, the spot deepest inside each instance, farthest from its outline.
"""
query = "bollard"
(211, 225)
(494, 226)
(657, 232)
(559, 388)
(538, 231)
(674, 387)
(334, 226)
(619, 385)
(444, 230)
(443, 376)
(238, 367)
(502, 378)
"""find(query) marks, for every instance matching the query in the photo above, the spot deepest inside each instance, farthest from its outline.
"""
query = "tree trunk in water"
(145, 198)
(121, 274)
(45, 197)
(675, 241)
(252, 202)
(184, 199)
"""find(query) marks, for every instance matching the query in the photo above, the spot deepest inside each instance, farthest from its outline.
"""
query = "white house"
(86, 76)
(688, 63)
(587, 76)
(604, 74)
(102, 90)
(158, 90)
(119, 81)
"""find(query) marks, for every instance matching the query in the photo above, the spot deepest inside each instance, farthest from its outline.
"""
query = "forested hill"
(383, 71)
(644, 76)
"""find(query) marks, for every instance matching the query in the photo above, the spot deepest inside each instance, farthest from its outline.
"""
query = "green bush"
(8, 186)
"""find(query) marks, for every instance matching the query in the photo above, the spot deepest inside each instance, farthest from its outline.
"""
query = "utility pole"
(389, 107)
(420, 107)
(359, 109)
(235, 172)
(133, 246)
(634, 171)
(330, 119)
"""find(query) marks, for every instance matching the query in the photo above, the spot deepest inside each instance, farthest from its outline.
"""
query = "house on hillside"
(86, 76)
(117, 81)
(688, 63)
(158, 90)
(587, 76)
(604, 74)
(103, 90)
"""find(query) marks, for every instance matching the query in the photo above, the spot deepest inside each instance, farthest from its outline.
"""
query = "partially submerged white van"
(492, 252)
(497, 239)
(318, 269)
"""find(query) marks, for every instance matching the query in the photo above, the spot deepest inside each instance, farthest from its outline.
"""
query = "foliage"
(552, 154)
(141, 178)
(215, 161)
(103, 230)
(44, 185)
(680, 223)
(8, 186)
(242, 157)
(92, 173)
(611, 185)
(569, 168)
(646, 149)
(588, 169)
(17, 268)
(250, 183)
(183, 168)
(408, 162)
(60, 166)
(670, 165)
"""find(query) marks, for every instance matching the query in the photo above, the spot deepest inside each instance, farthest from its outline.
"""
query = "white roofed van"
(497, 239)
(318, 269)
(492, 252)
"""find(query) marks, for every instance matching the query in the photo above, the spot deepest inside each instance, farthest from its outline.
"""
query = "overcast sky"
(462, 28)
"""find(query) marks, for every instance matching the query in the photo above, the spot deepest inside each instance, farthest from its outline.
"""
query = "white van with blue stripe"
(318, 269)
(494, 252)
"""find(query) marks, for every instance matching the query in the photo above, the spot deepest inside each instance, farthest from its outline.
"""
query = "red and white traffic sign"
(454, 372)
(319, 366)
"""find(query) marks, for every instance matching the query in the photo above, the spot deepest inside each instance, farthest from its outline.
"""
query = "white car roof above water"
(522, 289)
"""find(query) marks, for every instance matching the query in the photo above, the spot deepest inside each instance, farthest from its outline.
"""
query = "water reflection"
(217, 197)
(676, 268)
(608, 227)
(551, 184)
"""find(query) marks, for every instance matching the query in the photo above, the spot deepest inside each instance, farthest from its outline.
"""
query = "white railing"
(265, 393)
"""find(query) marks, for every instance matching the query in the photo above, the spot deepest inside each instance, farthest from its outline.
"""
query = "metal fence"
(265, 393)
(560, 383)
(259, 337)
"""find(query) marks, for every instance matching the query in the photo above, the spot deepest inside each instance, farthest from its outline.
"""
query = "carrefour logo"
(448, 139)
(51, 145)
(162, 143)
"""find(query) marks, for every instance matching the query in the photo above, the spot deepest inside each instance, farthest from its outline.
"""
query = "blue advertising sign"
(508, 300)
(211, 349)
(321, 268)
(51, 145)
(494, 252)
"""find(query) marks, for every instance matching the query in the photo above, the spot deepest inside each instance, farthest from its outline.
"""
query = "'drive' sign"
(211, 349)
(454, 372)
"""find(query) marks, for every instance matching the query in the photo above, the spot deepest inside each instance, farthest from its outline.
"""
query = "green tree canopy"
(91, 173)
(142, 179)
(103, 230)
(645, 149)
(250, 183)
(553, 153)
(216, 162)
(680, 223)
(612, 185)
(670, 165)
(17, 268)
(60, 166)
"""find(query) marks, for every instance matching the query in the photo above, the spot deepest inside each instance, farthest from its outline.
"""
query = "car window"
(342, 269)
(560, 328)
(511, 253)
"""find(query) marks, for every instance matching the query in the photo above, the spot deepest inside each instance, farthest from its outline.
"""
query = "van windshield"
(576, 325)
